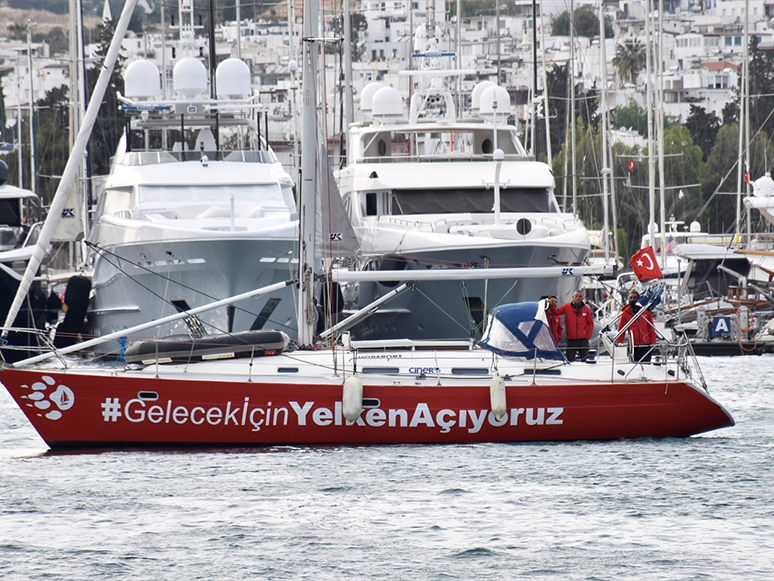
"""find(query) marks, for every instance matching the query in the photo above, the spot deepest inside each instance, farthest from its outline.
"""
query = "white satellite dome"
(387, 105)
(142, 80)
(367, 95)
(475, 96)
(233, 78)
(495, 100)
(695, 227)
(189, 77)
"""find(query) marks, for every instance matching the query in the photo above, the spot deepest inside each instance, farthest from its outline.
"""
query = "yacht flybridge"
(441, 190)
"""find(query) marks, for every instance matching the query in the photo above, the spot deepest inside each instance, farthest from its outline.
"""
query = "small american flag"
(670, 245)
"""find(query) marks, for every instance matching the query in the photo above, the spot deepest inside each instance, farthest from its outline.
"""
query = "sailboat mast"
(660, 129)
(307, 314)
(605, 168)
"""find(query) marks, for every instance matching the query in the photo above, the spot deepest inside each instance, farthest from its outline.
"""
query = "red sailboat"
(257, 389)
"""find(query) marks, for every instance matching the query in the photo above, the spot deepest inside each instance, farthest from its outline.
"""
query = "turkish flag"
(645, 265)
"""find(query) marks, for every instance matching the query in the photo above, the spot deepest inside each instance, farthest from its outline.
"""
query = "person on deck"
(579, 325)
(641, 333)
(554, 318)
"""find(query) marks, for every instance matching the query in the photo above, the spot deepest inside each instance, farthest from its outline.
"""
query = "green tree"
(723, 155)
(52, 144)
(629, 60)
(761, 75)
(109, 126)
(587, 104)
(630, 116)
(586, 23)
(703, 127)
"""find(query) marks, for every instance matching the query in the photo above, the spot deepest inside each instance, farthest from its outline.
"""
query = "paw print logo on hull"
(53, 403)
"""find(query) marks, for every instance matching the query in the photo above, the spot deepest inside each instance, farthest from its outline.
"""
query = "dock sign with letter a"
(721, 325)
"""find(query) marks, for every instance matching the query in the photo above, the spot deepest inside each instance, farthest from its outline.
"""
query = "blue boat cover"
(520, 330)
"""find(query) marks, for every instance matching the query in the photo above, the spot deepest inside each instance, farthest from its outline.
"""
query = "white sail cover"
(70, 226)
(334, 235)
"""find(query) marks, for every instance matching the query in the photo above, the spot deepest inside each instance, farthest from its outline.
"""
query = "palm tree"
(629, 59)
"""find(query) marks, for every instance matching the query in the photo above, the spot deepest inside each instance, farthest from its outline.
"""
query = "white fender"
(352, 398)
(497, 397)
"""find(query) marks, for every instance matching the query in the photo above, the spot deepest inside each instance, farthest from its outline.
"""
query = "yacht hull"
(220, 406)
(135, 283)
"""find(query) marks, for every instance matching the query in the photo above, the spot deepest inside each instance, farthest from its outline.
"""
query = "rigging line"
(456, 322)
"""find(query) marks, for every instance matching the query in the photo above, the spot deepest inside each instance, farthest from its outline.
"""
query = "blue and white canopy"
(520, 330)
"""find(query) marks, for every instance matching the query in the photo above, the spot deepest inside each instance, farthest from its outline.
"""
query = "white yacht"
(196, 208)
(441, 190)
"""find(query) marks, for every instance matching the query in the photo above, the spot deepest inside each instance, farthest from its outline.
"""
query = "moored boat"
(515, 386)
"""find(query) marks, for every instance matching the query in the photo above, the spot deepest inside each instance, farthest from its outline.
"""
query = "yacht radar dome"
(387, 105)
(475, 96)
(695, 227)
(142, 80)
(366, 97)
(233, 78)
(495, 101)
(189, 77)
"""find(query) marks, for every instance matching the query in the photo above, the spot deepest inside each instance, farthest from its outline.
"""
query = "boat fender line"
(497, 397)
(352, 398)
(76, 303)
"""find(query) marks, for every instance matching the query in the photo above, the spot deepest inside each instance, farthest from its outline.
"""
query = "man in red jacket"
(579, 326)
(641, 333)
(554, 318)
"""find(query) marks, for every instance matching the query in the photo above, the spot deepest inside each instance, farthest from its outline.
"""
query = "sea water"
(694, 508)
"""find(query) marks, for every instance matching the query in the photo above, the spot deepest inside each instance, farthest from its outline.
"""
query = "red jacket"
(641, 331)
(577, 320)
(554, 323)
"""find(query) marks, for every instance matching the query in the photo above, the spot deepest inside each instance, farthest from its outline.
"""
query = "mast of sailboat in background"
(649, 102)
(535, 132)
(19, 148)
(88, 199)
(349, 106)
(660, 130)
(239, 29)
(605, 167)
(572, 111)
(33, 172)
(545, 89)
(744, 134)
(71, 168)
(457, 59)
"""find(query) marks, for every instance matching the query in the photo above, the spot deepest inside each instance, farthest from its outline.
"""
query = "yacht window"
(213, 201)
(115, 200)
(370, 204)
(473, 200)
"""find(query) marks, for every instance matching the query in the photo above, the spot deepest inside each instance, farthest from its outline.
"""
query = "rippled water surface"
(697, 508)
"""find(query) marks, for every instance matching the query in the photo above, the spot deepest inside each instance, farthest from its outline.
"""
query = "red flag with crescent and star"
(645, 265)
